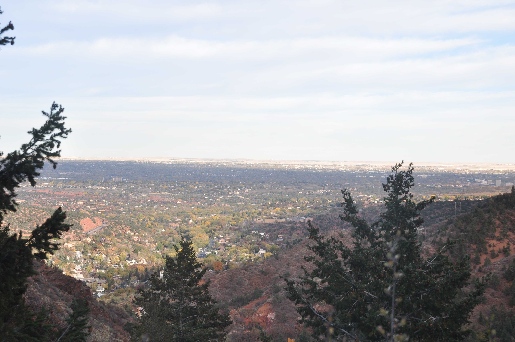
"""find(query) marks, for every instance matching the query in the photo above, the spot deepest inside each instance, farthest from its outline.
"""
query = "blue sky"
(426, 81)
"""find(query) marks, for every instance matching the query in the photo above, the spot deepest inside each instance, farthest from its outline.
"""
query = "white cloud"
(410, 18)
(342, 48)
(464, 105)
(139, 10)
(301, 79)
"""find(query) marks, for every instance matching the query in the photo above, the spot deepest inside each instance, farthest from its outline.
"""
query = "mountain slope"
(54, 291)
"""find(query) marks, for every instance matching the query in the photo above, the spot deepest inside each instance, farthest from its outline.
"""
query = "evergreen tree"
(17, 252)
(177, 306)
(4, 40)
(77, 328)
(382, 288)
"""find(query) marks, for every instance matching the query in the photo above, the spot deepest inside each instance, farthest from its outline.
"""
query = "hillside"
(52, 290)
(487, 235)
(255, 297)
(248, 231)
(253, 291)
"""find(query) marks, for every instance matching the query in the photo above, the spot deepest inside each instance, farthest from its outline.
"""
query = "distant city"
(128, 213)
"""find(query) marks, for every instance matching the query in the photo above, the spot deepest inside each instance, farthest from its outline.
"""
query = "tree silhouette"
(17, 252)
(4, 40)
(177, 305)
(77, 329)
(382, 287)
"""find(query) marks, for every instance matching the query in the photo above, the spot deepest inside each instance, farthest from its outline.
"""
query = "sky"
(421, 81)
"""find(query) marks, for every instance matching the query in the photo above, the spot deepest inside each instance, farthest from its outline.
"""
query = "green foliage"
(477, 259)
(26, 326)
(24, 164)
(17, 253)
(263, 337)
(503, 324)
(499, 325)
(242, 300)
(382, 287)
(509, 274)
(178, 306)
(494, 281)
(472, 230)
(506, 250)
(493, 254)
(4, 40)
(77, 328)
(510, 292)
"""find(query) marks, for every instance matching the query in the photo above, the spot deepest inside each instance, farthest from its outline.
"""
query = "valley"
(247, 222)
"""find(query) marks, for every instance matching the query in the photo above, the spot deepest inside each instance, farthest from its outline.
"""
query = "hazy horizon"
(323, 163)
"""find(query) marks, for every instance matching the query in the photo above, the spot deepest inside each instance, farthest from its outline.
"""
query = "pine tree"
(17, 252)
(177, 306)
(77, 328)
(4, 40)
(382, 288)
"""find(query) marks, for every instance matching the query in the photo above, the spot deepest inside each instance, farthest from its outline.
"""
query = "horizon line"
(290, 161)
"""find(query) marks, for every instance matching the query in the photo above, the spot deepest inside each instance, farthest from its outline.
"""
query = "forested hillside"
(487, 235)
(54, 292)
(253, 290)
(261, 304)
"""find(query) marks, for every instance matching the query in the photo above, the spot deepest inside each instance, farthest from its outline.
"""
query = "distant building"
(100, 291)
(498, 182)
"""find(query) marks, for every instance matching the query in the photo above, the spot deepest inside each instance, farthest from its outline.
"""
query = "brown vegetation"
(53, 291)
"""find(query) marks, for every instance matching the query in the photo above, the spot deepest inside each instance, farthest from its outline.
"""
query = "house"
(100, 291)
